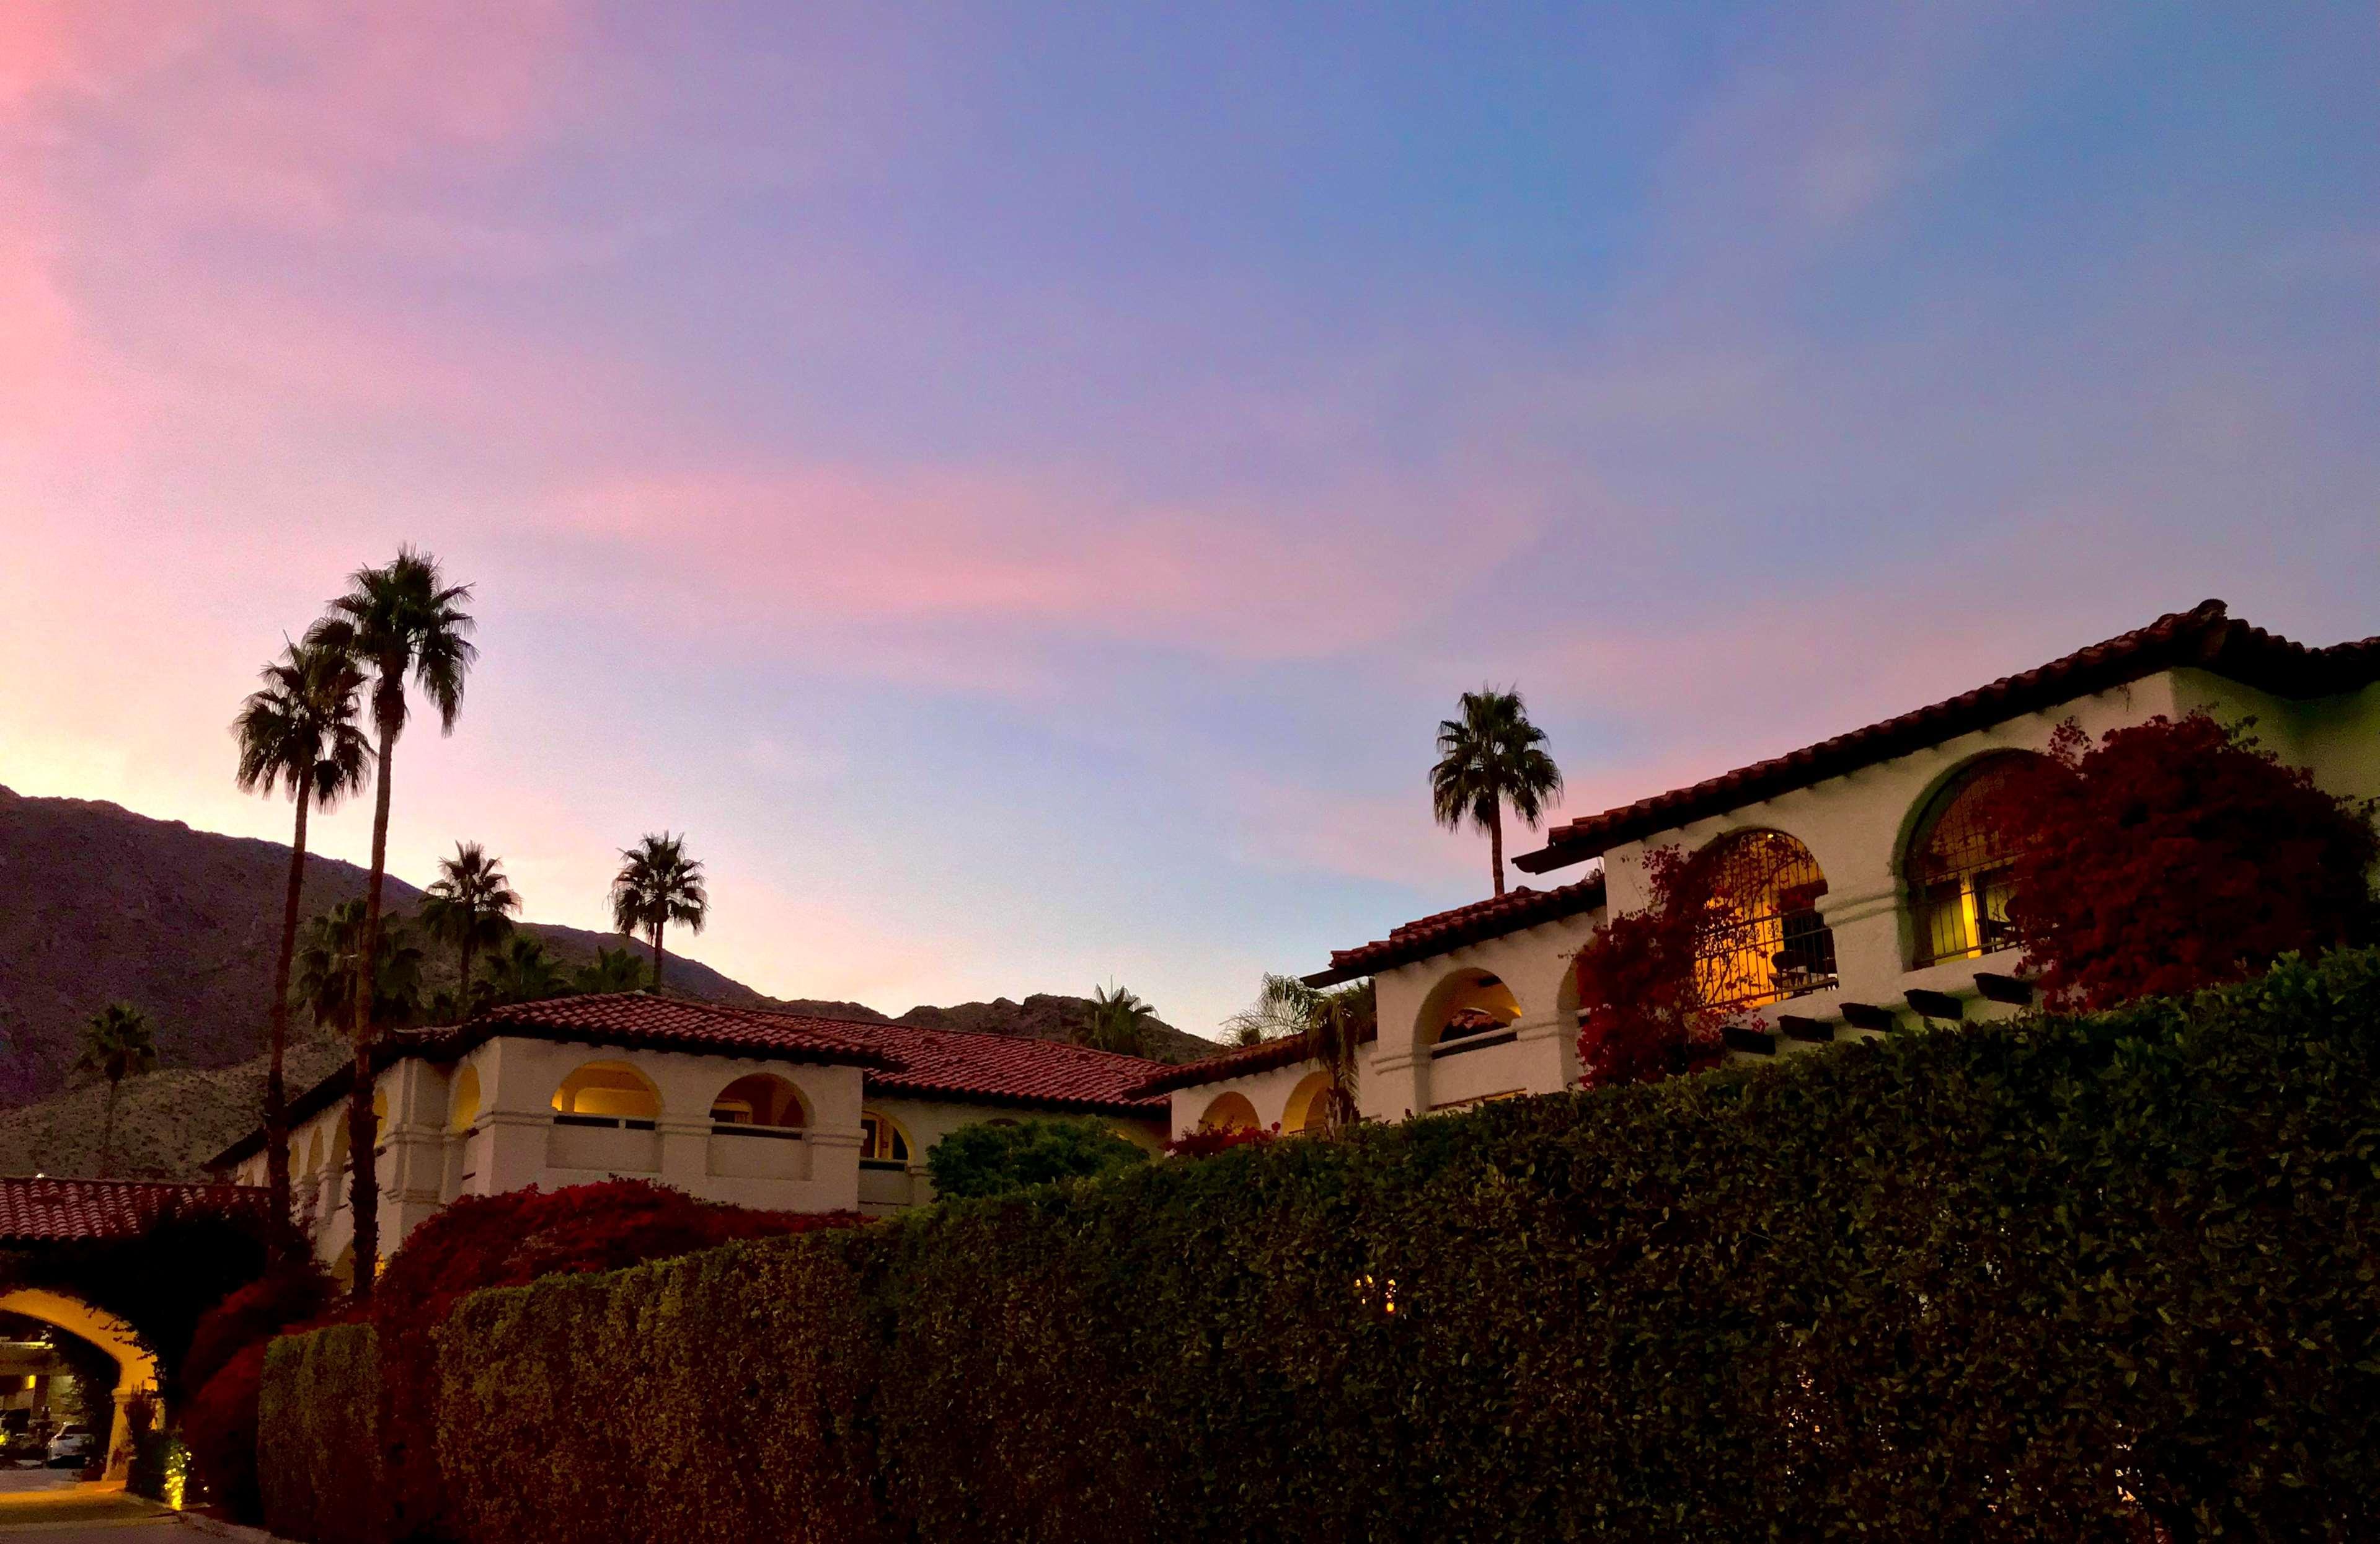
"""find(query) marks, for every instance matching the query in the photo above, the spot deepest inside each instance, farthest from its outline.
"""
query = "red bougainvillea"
(2175, 854)
(1642, 1012)
(1205, 1143)
(225, 1367)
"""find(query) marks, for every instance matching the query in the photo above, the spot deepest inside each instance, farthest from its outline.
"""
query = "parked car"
(70, 1449)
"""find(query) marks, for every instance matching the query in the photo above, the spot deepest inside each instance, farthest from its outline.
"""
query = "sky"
(1018, 486)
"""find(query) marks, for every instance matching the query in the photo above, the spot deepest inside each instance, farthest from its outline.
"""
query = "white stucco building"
(1864, 895)
(745, 1106)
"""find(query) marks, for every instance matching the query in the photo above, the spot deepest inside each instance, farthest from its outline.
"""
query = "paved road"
(53, 1506)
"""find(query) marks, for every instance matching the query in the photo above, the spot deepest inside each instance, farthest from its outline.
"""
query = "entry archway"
(135, 1366)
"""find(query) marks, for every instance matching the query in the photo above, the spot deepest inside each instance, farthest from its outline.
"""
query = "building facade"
(751, 1108)
(1863, 890)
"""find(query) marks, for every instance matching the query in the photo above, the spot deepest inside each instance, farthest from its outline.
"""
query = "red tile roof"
(60, 1210)
(895, 1058)
(2205, 638)
(1239, 1062)
(1443, 931)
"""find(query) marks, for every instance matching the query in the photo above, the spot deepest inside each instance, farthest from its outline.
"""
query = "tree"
(2173, 855)
(117, 1043)
(1644, 1012)
(298, 730)
(1334, 1022)
(330, 959)
(522, 972)
(468, 905)
(993, 1157)
(1487, 756)
(398, 623)
(658, 884)
(611, 970)
(1118, 1021)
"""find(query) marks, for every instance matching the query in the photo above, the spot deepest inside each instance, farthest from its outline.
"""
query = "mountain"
(99, 905)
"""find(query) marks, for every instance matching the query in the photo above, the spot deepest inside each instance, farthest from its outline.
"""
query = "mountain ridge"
(100, 904)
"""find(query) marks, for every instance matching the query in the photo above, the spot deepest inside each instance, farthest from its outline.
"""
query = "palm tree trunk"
(1496, 842)
(276, 1093)
(363, 1190)
(657, 957)
(107, 1132)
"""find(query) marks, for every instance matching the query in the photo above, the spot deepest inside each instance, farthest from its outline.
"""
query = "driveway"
(54, 1507)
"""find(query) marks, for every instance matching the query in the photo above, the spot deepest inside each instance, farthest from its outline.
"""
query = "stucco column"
(1869, 948)
(516, 1141)
(1396, 1086)
(835, 1166)
(685, 1152)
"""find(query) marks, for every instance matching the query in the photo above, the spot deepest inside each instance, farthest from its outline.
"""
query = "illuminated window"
(761, 1099)
(882, 1141)
(1959, 867)
(1229, 1112)
(607, 1093)
(1766, 941)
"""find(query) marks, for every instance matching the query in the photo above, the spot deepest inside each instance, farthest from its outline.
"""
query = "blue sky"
(1019, 487)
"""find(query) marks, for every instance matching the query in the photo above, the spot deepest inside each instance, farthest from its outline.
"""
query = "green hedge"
(319, 1420)
(2046, 1281)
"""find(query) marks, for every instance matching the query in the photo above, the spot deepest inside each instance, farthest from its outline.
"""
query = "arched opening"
(1466, 1007)
(135, 1366)
(463, 1099)
(1958, 863)
(1306, 1102)
(1767, 940)
(380, 1118)
(339, 1139)
(1229, 1112)
(314, 1153)
(761, 1101)
(883, 1143)
(607, 1093)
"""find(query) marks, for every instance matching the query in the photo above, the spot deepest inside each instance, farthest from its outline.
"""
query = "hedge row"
(2069, 1278)
(318, 1429)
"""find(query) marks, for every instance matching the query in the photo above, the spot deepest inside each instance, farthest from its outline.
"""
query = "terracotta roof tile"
(2204, 638)
(58, 1210)
(1441, 931)
(896, 1058)
(1237, 1063)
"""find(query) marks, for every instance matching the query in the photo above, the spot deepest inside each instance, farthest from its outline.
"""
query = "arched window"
(1768, 942)
(380, 1117)
(883, 1143)
(1469, 1005)
(1229, 1112)
(761, 1099)
(1959, 865)
(607, 1093)
(463, 1099)
(1305, 1105)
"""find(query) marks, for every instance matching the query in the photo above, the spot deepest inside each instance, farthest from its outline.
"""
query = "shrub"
(1207, 1141)
(226, 1369)
(319, 1430)
(992, 1157)
(2176, 855)
(2068, 1278)
(477, 1243)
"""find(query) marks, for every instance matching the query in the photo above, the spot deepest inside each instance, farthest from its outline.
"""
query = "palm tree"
(522, 972)
(1118, 1021)
(397, 622)
(1335, 1022)
(658, 884)
(330, 955)
(610, 970)
(298, 729)
(1490, 755)
(117, 1043)
(469, 906)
